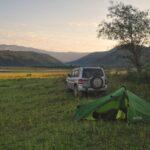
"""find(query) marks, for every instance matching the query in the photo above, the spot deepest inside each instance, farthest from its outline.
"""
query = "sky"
(58, 25)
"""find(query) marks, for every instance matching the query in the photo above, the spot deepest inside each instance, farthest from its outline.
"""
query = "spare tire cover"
(96, 83)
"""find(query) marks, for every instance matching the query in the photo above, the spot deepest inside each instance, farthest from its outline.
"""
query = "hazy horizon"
(63, 26)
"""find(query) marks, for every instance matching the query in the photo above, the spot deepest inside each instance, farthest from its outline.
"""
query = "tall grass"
(32, 75)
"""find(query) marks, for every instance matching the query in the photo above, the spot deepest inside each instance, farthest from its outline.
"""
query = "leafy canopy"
(126, 24)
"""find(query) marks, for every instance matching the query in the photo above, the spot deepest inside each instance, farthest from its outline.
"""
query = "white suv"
(86, 79)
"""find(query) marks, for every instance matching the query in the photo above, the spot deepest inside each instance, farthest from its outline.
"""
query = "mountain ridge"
(27, 58)
(61, 56)
(111, 58)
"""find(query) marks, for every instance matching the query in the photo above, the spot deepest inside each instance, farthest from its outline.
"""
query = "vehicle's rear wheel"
(100, 93)
(75, 91)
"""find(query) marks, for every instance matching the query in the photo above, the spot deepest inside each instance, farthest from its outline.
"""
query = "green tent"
(120, 105)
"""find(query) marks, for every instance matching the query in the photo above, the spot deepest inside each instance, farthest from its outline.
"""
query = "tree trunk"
(136, 57)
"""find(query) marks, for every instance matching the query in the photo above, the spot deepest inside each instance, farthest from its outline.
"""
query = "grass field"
(38, 114)
(31, 75)
(30, 72)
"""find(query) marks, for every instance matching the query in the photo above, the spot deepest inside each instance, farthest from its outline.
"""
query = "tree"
(130, 27)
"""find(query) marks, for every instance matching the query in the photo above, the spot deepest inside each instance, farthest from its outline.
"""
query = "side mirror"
(69, 75)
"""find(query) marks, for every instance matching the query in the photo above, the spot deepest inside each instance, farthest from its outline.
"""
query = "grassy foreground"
(38, 114)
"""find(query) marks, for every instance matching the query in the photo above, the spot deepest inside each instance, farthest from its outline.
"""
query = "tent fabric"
(121, 100)
(139, 110)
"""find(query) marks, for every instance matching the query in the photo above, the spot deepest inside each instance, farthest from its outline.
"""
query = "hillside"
(111, 58)
(21, 58)
(61, 56)
(67, 56)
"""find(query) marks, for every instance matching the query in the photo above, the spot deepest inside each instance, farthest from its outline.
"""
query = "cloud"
(23, 25)
(55, 41)
(6, 34)
(83, 24)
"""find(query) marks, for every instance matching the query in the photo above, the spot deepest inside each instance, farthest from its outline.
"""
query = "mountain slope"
(112, 58)
(67, 56)
(20, 58)
(62, 56)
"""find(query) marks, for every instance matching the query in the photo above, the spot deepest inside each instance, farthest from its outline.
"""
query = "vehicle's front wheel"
(67, 88)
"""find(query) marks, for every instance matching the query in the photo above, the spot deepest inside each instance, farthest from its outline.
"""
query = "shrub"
(143, 77)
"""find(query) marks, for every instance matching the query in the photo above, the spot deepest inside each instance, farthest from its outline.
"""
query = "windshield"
(90, 72)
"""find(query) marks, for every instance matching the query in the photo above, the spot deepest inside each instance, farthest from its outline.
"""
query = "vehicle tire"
(76, 92)
(101, 93)
(96, 83)
(67, 88)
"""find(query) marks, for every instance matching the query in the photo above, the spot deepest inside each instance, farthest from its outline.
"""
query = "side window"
(72, 74)
(76, 73)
